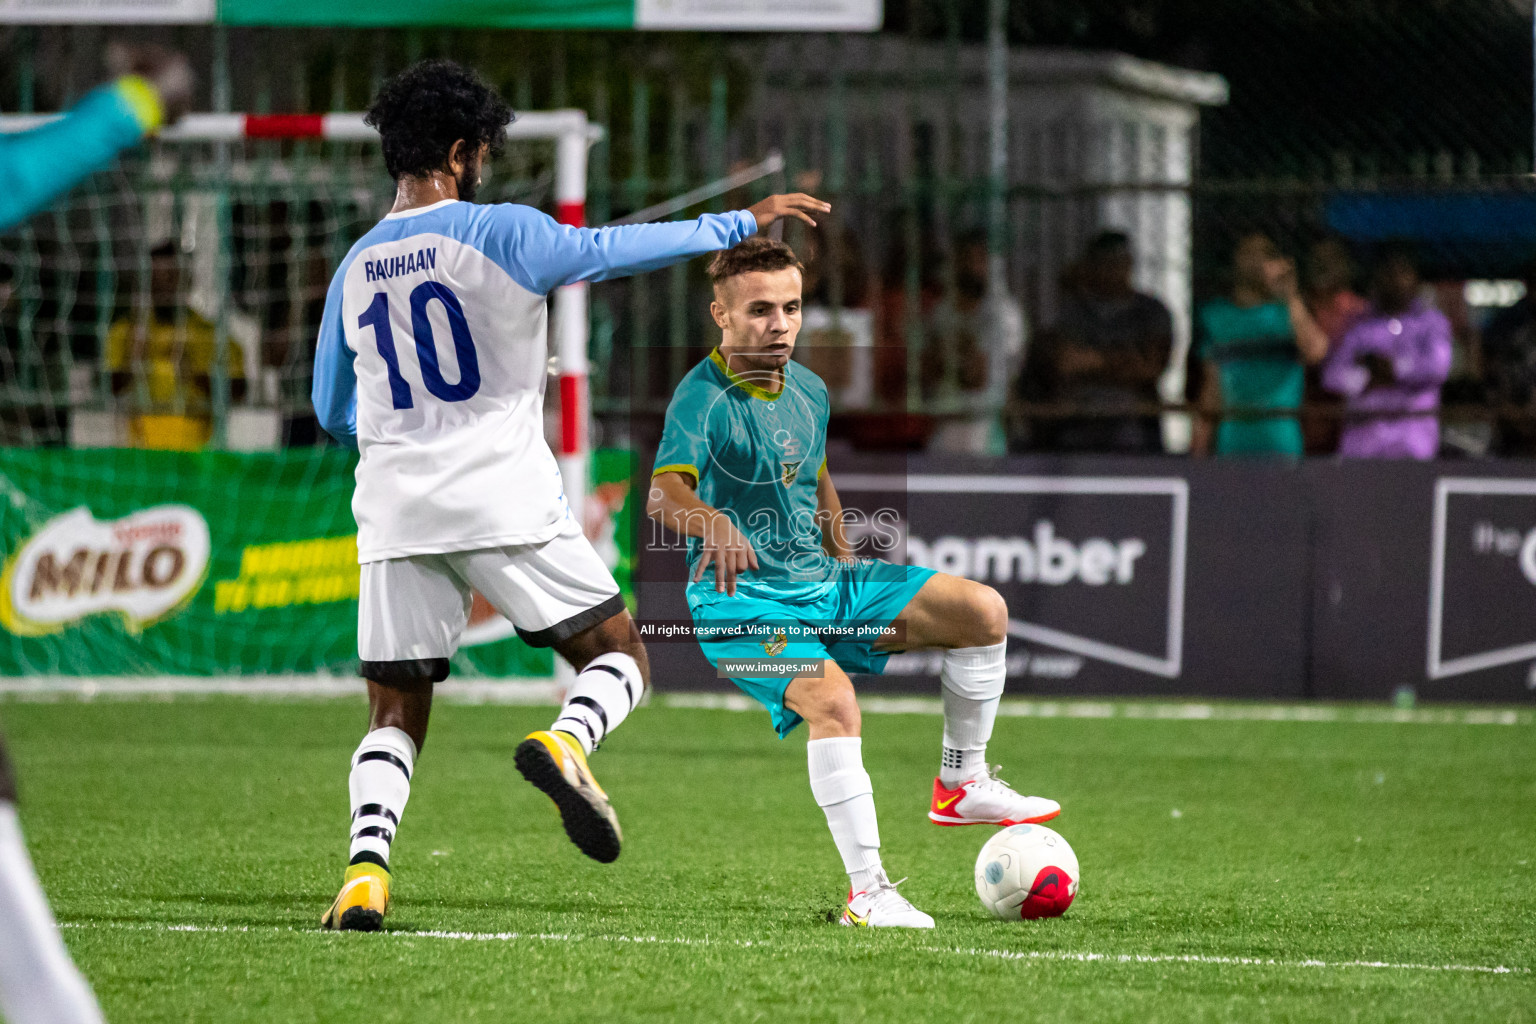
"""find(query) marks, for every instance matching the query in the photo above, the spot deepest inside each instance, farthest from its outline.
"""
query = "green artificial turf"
(1410, 844)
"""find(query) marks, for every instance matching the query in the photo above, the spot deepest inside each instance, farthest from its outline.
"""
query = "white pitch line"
(1000, 954)
(258, 687)
(1234, 961)
(1176, 711)
(546, 692)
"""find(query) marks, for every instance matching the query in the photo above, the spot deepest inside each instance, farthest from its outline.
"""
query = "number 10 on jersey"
(377, 317)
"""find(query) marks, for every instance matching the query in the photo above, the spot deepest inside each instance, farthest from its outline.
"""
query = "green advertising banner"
(708, 15)
(542, 14)
(125, 562)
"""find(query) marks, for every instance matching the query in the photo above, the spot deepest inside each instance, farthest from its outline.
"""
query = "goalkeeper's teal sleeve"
(38, 166)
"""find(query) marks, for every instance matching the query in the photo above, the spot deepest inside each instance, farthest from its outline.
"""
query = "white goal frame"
(572, 134)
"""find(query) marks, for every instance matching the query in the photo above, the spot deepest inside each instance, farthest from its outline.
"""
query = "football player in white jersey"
(431, 361)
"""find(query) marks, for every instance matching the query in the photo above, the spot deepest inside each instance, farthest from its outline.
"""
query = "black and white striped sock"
(380, 785)
(603, 695)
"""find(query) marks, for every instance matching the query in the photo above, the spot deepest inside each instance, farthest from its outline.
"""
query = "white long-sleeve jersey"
(432, 361)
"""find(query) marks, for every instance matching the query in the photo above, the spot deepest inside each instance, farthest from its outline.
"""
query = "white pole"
(997, 150)
(571, 325)
(570, 332)
(572, 134)
(342, 127)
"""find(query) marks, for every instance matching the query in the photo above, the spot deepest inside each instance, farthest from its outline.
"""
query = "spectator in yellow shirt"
(161, 360)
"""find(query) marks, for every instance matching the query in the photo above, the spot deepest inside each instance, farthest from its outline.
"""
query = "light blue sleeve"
(38, 166)
(334, 391)
(541, 254)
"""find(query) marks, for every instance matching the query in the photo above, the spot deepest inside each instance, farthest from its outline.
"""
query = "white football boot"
(988, 800)
(881, 906)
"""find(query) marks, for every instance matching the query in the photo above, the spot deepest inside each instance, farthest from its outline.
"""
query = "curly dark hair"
(753, 254)
(421, 112)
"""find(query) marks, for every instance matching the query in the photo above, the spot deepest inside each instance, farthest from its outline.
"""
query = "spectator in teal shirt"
(1250, 354)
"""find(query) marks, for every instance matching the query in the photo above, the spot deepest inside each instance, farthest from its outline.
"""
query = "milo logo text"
(142, 567)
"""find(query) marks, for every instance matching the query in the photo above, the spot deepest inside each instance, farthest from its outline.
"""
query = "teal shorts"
(840, 620)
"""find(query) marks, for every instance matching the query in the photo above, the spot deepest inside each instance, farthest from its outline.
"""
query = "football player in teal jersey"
(742, 474)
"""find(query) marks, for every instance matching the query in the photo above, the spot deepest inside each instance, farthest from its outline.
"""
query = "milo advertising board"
(123, 562)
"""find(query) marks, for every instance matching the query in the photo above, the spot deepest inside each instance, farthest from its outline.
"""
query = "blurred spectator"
(1328, 276)
(1330, 292)
(904, 306)
(837, 330)
(1466, 386)
(1249, 355)
(974, 346)
(1105, 354)
(1509, 361)
(162, 358)
(899, 319)
(1392, 361)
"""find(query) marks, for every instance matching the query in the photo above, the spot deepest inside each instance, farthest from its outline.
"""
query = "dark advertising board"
(1341, 580)
(1095, 561)
(1101, 563)
(1425, 577)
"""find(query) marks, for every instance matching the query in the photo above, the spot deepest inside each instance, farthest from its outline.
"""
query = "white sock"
(39, 983)
(603, 696)
(972, 680)
(842, 789)
(380, 785)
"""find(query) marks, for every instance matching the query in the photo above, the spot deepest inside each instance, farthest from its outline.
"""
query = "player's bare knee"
(636, 650)
(989, 616)
(840, 711)
(848, 714)
(625, 639)
(827, 703)
(617, 634)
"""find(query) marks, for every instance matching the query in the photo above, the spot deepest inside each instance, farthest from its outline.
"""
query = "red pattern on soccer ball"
(1049, 896)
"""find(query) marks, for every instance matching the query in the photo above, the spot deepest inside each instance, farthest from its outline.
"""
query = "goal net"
(172, 506)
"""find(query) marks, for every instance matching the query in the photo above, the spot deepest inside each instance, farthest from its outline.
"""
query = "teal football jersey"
(757, 456)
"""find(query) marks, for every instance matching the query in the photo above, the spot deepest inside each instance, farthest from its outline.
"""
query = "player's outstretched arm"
(543, 255)
(673, 503)
(796, 204)
(38, 166)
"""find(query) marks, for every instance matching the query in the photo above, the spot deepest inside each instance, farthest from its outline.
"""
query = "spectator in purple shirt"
(1392, 362)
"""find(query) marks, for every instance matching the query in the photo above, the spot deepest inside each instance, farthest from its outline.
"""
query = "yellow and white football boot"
(363, 899)
(555, 763)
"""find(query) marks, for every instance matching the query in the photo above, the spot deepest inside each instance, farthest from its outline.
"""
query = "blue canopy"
(1459, 233)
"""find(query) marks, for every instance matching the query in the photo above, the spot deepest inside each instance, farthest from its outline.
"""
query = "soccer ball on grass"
(1026, 871)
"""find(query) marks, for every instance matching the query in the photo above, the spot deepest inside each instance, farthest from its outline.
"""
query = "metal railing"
(893, 129)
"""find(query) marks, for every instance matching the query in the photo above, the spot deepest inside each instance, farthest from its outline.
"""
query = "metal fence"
(892, 128)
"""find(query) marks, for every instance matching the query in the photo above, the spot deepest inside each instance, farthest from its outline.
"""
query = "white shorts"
(415, 608)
